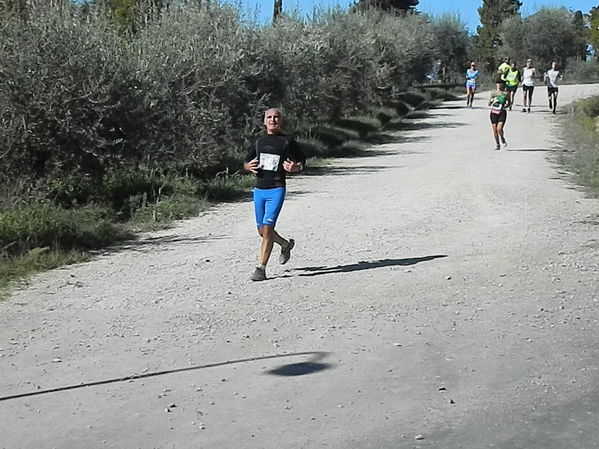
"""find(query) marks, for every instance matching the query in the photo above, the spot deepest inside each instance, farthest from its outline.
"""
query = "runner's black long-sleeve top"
(272, 150)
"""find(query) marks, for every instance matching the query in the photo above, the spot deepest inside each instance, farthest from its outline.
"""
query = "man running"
(529, 73)
(502, 70)
(499, 102)
(512, 79)
(270, 157)
(552, 77)
(471, 78)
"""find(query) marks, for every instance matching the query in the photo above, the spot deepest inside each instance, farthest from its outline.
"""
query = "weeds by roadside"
(581, 130)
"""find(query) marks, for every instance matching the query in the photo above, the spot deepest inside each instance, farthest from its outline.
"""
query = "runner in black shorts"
(499, 102)
(513, 78)
(529, 73)
(270, 157)
(552, 78)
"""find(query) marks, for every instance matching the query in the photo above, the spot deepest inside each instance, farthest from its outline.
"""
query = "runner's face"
(272, 121)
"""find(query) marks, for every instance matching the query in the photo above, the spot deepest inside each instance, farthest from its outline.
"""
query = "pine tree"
(492, 14)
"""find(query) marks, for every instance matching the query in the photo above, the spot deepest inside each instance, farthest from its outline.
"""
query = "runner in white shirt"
(529, 73)
(552, 78)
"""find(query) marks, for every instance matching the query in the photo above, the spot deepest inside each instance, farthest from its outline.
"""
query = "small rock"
(419, 437)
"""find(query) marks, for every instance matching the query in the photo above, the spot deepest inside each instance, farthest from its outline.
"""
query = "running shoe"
(286, 252)
(504, 142)
(523, 109)
(498, 147)
(529, 110)
(259, 274)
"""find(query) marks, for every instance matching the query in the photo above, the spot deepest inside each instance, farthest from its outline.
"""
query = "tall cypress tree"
(581, 41)
(492, 14)
(278, 10)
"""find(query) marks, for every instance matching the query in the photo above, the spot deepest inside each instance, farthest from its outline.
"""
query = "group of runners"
(509, 78)
(272, 155)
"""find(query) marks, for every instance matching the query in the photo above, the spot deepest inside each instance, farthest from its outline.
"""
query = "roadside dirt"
(441, 295)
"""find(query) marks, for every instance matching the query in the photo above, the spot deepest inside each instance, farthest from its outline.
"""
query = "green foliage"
(334, 136)
(414, 99)
(14, 269)
(361, 124)
(452, 45)
(593, 29)
(581, 130)
(383, 114)
(39, 224)
(551, 34)
(167, 210)
(79, 102)
(577, 71)
(492, 14)
(580, 40)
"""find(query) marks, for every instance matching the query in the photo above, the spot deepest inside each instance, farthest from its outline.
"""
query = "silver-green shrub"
(81, 101)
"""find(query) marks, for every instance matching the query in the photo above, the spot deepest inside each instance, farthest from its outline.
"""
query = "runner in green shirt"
(499, 102)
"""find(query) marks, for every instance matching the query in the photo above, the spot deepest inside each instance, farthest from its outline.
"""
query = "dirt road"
(441, 295)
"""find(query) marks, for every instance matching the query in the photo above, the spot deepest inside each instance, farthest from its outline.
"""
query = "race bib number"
(496, 108)
(269, 162)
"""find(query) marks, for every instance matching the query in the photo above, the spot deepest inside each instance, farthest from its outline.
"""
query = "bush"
(414, 99)
(176, 208)
(580, 128)
(383, 114)
(39, 224)
(334, 136)
(577, 71)
(361, 124)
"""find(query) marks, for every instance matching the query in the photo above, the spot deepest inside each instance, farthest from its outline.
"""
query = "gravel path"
(441, 295)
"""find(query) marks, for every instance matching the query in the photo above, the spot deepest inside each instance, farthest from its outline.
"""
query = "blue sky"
(466, 9)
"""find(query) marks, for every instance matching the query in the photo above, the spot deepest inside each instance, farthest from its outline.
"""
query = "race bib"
(496, 108)
(269, 162)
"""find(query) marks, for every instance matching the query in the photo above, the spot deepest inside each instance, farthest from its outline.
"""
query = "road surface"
(441, 294)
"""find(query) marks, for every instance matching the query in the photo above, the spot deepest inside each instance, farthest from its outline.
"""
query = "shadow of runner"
(315, 356)
(299, 369)
(365, 265)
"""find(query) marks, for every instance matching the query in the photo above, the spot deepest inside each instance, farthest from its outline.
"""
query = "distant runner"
(512, 79)
(552, 78)
(270, 157)
(471, 79)
(499, 102)
(502, 70)
(529, 73)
